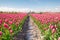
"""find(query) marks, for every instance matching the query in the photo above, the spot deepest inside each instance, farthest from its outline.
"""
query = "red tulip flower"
(0, 33)
(51, 26)
(6, 25)
(0, 21)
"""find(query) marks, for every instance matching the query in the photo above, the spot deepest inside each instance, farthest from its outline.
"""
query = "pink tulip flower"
(10, 22)
(0, 33)
(53, 31)
(0, 21)
(6, 25)
(58, 38)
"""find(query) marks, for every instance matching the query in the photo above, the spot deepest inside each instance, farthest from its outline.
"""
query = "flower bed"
(10, 24)
(49, 25)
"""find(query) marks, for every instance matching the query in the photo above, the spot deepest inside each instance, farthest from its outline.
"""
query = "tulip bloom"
(53, 31)
(6, 25)
(6, 20)
(59, 38)
(0, 22)
(11, 31)
(10, 22)
(51, 26)
(0, 33)
(9, 28)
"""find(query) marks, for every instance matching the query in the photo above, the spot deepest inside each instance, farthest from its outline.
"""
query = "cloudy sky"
(34, 5)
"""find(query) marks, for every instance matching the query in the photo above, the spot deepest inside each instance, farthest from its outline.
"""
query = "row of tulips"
(10, 24)
(49, 25)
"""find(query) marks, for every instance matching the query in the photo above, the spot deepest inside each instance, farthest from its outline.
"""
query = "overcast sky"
(35, 5)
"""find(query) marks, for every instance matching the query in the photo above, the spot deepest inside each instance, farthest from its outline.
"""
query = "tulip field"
(10, 24)
(49, 25)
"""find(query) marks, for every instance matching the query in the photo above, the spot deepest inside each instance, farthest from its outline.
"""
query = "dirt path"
(29, 31)
(22, 34)
(33, 32)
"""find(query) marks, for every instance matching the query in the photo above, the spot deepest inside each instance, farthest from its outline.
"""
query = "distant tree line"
(7, 12)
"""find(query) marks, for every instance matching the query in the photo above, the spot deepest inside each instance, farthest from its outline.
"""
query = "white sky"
(7, 9)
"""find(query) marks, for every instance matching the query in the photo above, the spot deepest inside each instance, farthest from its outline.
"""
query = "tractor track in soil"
(22, 34)
(29, 31)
